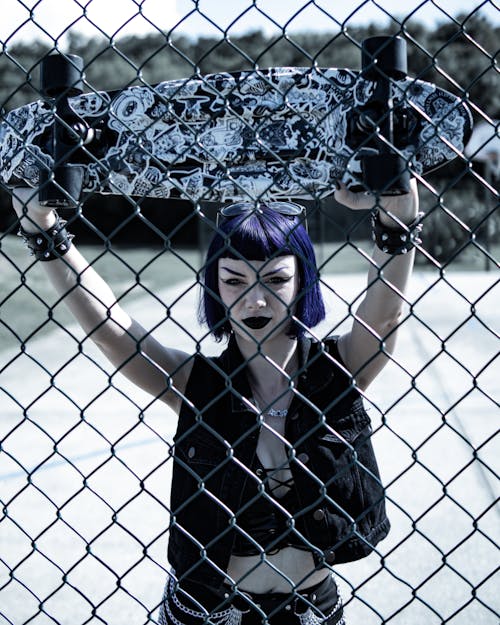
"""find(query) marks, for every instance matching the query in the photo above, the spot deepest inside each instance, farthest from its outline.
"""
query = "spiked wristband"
(397, 240)
(48, 244)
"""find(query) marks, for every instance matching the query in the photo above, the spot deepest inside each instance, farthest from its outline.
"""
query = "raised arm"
(366, 348)
(161, 371)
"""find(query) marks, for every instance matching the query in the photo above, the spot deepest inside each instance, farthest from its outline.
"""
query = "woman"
(274, 479)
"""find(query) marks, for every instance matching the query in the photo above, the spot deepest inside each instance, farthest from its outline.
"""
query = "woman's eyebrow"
(264, 275)
(273, 271)
(235, 273)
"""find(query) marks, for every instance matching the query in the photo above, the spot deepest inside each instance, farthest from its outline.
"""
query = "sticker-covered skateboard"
(276, 133)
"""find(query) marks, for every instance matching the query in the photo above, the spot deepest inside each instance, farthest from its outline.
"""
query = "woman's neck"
(271, 363)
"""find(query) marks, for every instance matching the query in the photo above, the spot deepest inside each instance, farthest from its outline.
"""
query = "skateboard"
(276, 133)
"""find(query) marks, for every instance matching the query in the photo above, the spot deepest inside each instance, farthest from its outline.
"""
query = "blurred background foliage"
(461, 56)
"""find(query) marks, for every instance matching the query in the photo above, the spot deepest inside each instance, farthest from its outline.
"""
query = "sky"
(116, 18)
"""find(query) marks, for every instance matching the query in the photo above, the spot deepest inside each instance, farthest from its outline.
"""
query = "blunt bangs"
(260, 236)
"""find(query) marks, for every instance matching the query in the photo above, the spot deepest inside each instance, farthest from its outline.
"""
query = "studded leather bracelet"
(48, 244)
(399, 239)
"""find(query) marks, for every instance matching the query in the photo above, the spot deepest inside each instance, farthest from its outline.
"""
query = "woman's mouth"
(256, 323)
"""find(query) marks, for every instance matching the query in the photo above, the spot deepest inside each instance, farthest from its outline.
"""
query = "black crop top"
(262, 517)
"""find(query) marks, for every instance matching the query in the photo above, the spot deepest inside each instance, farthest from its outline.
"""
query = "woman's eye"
(232, 282)
(278, 280)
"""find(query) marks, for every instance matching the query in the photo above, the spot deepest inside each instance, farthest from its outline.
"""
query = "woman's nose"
(255, 297)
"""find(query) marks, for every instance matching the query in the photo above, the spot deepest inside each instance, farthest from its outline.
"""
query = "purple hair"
(262, 235)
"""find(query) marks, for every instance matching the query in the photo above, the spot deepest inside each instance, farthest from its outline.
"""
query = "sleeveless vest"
(342, 511)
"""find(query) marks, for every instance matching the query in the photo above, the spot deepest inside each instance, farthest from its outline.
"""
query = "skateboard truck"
(60, 78)
(377, 127)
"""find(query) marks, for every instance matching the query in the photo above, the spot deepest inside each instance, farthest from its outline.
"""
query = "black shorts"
(317, 605)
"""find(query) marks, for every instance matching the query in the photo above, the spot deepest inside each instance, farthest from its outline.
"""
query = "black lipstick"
(256, 323)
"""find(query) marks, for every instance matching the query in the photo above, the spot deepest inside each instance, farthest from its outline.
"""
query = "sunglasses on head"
(288, 209)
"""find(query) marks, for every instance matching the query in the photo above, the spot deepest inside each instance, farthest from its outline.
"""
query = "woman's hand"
(403, 207)
(32, 215)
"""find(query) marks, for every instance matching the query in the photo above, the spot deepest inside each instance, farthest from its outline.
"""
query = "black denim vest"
(331, 458)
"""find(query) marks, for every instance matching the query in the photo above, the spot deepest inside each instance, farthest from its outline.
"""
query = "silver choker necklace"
(281, 414)
(272, 412)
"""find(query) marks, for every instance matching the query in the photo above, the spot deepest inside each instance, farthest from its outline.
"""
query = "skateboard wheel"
(61, 188)
(61, 73)
(387, 174)
(384, 56)
(78, 134)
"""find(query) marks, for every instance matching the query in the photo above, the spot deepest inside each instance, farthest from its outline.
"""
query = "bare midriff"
(284, 571)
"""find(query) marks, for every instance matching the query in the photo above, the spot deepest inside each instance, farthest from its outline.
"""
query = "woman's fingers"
(22, 197)
(25, 200)
(407, 203)
(32, 215)
(355, 201)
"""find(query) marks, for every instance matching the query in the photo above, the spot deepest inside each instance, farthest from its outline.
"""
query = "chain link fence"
(86, 458)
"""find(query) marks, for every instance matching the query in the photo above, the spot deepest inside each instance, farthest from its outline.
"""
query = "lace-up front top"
(265, 521)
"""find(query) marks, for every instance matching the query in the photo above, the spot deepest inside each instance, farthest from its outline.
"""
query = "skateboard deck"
(278, 133)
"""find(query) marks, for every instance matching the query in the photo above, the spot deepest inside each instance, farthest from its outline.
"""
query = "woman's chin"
(258, 335)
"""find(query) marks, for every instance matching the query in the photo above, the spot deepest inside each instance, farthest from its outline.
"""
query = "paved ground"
(83, 450)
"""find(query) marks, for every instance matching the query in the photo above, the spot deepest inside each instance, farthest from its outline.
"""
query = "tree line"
(457, 55)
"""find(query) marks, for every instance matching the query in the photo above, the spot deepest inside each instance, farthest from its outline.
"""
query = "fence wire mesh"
(86, 457)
